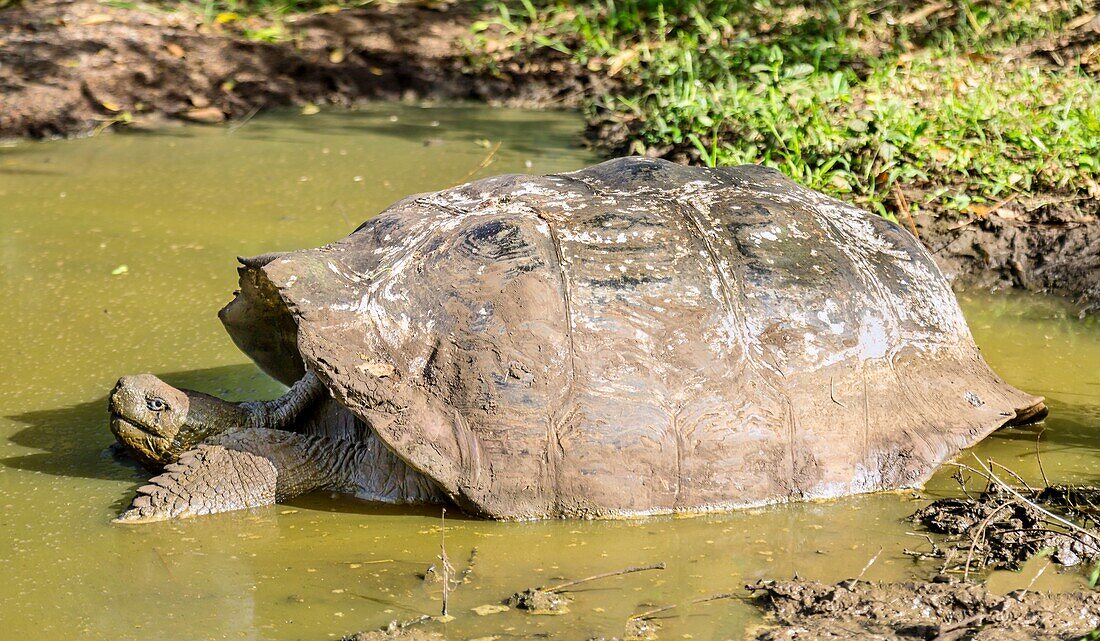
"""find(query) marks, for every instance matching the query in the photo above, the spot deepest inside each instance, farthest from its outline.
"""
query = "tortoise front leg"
(245, 468)
(282, 413)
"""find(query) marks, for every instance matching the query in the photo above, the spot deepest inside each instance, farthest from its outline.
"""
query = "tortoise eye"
(155, 404)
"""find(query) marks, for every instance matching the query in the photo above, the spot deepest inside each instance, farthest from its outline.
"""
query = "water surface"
(116, 253)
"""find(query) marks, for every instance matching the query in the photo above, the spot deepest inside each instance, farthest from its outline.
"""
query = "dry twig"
(569, 584)
(649, 614)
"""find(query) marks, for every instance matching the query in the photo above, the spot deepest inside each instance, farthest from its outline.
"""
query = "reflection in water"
(174, 208)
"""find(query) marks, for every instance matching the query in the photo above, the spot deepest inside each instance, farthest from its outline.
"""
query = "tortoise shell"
(635, 337)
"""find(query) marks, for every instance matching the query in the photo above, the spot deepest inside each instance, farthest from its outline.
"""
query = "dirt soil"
(996, 529)
(70, 67)
(396, 634)
(539, 601)
(76, 67)
(1054, 246)
(863, 611)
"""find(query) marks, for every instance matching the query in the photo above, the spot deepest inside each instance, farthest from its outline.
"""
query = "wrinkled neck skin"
(208, 416)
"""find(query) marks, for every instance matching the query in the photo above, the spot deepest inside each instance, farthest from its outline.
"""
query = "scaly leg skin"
(244, 468)
(282, 413)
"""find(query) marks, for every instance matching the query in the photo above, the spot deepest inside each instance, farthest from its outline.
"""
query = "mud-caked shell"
(633, 337)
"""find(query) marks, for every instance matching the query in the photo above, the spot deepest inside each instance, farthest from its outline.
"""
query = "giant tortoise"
(633, 338)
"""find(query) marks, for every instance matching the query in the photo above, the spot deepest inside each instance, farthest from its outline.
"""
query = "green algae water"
(116, 253)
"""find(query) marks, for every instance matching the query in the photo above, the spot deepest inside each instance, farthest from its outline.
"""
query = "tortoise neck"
(206, 416)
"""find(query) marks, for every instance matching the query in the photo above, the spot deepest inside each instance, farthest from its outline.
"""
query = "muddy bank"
(75, 67)
(72, 67)
(1052, 246)
(811, 611)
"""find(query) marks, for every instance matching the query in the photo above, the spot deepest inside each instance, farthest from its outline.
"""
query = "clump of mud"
(999, 528)
(538, 601)
(396, 634)
(551, 600)
(865, 611)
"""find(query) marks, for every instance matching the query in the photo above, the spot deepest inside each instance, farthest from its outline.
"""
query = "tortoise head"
(156, 422)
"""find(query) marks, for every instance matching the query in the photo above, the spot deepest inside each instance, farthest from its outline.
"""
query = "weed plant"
(847, 96)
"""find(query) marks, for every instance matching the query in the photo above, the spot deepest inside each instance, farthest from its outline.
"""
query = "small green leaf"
(800, 70)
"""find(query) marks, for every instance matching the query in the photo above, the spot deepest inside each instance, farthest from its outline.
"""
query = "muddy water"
(117, 251)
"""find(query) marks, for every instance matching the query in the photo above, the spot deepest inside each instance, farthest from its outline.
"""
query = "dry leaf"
(620, 60)
(174, 49)
(923, 13)
(1080, 21)
(207, 115)
(96, 18)
(980, 211)
(486, 610)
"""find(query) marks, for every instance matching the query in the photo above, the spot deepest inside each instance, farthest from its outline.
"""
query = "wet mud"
(866, 611)
(396, 634)
(996, 529)
(1054, 246)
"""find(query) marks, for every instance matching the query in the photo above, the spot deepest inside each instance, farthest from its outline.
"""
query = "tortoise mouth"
(145, 446)
(121, 425)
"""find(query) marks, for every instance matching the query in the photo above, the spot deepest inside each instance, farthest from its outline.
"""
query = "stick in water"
(648, 614)
(569, 584)
(444, 561)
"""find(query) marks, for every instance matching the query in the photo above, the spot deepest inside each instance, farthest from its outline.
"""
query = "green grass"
(847, 96)
(272, 8)
(258, 20)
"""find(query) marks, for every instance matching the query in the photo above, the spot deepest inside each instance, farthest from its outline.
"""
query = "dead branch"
(1019, 478)
(980, 534)
(869, 564)
(444, 561)
(902, 204)
(569, 584)
(649, 614)
(1039, 459)
(483, 164)
(1065, 522)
